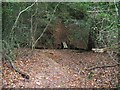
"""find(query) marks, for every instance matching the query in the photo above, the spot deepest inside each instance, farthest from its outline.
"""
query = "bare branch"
(15, 23)
(31, 29)
(46, 26)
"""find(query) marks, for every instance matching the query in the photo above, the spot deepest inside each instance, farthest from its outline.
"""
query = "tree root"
(24, 75)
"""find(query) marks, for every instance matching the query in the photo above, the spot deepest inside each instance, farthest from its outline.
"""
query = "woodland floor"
(50, 68)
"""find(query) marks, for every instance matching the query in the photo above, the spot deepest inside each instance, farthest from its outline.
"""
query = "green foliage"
(104, 25)
(101, 22)
(91, 74)
(118, 87)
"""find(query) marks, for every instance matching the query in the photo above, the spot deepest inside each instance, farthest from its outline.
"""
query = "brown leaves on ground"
(60, 68)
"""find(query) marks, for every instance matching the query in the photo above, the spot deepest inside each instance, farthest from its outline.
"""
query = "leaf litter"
(50, 68)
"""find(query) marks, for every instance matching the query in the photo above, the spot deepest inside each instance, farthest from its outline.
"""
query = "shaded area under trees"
(48, 25)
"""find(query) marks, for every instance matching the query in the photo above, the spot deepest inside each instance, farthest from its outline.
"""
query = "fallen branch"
(105, 66)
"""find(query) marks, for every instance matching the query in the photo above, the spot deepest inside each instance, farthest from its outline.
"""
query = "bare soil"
(65, 68)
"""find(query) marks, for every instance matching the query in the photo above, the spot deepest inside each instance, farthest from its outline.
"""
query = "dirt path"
(60, 68)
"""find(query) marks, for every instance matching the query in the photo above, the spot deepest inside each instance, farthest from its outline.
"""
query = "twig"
(46, 26)
(105, 66)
